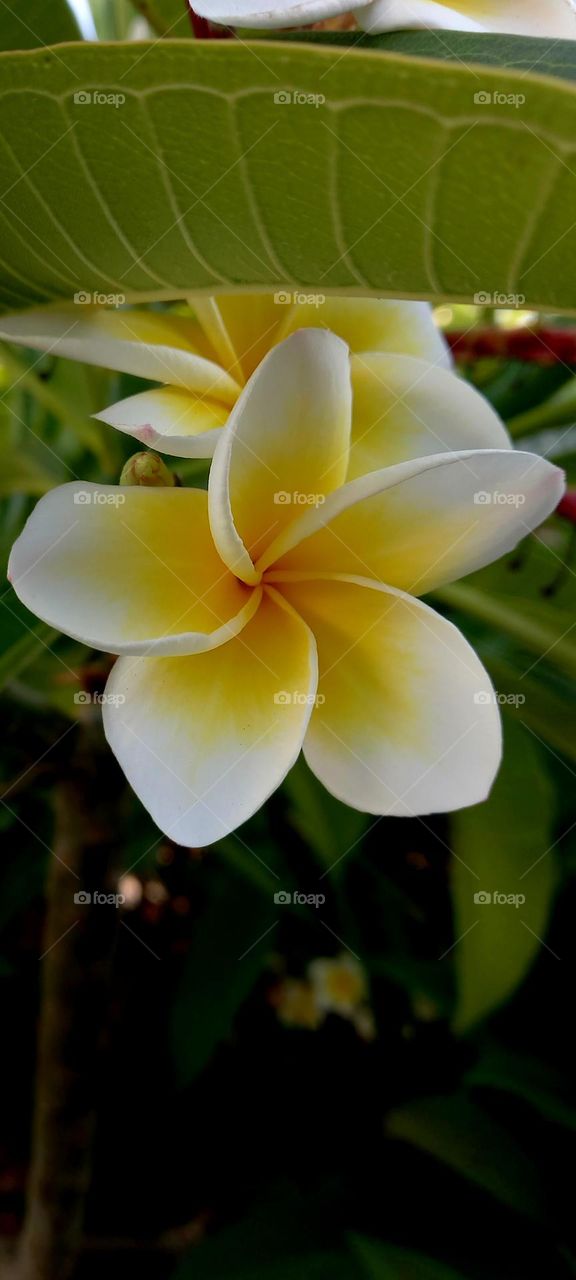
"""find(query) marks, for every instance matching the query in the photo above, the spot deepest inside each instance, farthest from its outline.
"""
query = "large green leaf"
(395, 182)
(461, 1135)
(24, 24)
(503, 847)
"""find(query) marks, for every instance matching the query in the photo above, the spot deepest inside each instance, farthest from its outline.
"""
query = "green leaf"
(231, 940)
(196, 178)
(383, 1261)
(536, 1083)
(461, 1135)
(284, 1235)
(519, 53)
(21, 642)
(166, 17)
(503, 846)
(25, 24)
(331, 829)
(513, 597)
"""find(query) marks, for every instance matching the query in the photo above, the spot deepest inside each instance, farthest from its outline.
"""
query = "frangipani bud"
(147, 469)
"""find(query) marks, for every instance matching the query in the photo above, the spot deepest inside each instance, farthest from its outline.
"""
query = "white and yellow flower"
(205, 360)
(520, 17)
(251, 625)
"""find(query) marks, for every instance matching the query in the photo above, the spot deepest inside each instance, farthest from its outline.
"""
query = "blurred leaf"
(284, 1235)
(547, 709)
(20, 642)
(230, 942)
(538, 1084)
(383, 1261)
(166, 17)
(461, 1135)
(24, 24)
(19, 473)
(330, 828)
(502, 846)
(513, 597)
(151, 232)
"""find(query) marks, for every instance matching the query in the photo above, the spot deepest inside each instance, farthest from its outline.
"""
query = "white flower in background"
(205, 360)
(252, 626)
(339, 984)
(555, 18)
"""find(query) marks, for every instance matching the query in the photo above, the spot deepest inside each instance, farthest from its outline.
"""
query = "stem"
(76, 972)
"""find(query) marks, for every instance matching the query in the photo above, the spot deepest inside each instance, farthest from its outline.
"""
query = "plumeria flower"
(339, 984)
(522, 17)
(205, 361)
(279, 610)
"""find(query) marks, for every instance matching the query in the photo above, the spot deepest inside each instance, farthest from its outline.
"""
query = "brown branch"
(75, 986)
(537, 346)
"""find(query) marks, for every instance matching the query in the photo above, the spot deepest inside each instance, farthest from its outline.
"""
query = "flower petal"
(423, 523)
(241, 327)
(128, 570)
(170, 420)
(520, 17)
(404, 408)
(406, 721)
(170, 349)
(205, 740)
(373, 324)
(265, 13)
(285, 446)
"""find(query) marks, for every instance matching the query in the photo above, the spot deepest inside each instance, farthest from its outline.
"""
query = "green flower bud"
(147, 469)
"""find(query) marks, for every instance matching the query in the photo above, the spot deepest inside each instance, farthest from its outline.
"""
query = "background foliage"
(422, 1132)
